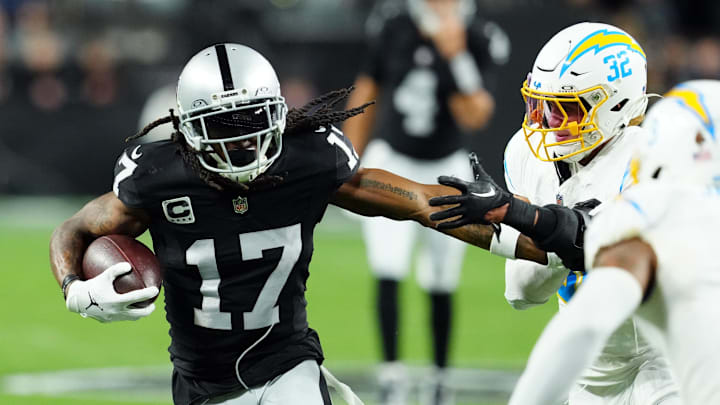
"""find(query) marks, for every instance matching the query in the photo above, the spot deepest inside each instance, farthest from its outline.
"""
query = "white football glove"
(98, 299)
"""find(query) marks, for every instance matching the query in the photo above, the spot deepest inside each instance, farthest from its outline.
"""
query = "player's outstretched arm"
(621, 274)
(97, 298)
(375, 192)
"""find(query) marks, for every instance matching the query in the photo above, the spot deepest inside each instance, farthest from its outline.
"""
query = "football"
(107, 250)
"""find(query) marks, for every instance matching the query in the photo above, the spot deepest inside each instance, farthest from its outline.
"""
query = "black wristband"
(545, 225)
(520, 215)
(565, 238)
(66, 282)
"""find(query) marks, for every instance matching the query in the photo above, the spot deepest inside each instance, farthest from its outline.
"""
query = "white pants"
(300, 385)
(653, 385)
(390, 243)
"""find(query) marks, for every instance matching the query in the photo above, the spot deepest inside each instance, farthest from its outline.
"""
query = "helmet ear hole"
(656, 173)
(619, 106)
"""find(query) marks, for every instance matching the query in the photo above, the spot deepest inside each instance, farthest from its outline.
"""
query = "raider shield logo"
(240, 205)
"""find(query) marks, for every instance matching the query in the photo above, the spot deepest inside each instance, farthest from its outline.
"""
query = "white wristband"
(466, 73)
(504, 244)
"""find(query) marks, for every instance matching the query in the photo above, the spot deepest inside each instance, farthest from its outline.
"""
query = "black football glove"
(477, 198)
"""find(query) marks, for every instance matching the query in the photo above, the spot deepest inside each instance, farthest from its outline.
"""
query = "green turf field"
(39, 335)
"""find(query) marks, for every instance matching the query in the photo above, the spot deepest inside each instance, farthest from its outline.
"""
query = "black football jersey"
(415, 86)
(237, 265)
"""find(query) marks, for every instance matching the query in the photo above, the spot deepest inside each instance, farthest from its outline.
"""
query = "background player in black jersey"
(231, 202)
(428, 67)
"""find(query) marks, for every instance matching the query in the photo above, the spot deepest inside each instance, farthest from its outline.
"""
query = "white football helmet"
(425, 18)
(231, 110)
(587, 83)
(682, 144)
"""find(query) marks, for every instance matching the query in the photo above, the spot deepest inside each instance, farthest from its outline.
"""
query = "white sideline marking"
(73, 381)
(142, 383)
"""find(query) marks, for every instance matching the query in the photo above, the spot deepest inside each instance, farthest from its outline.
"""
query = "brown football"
(107, 250)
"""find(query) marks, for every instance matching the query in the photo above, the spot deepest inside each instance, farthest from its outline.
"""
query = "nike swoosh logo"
(483, 195)
(134, 154)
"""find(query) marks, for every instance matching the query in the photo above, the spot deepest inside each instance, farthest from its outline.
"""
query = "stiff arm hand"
(477, 198)
(96, 298)
(553, 228)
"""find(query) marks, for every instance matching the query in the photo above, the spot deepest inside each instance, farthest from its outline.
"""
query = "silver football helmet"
(231, 110)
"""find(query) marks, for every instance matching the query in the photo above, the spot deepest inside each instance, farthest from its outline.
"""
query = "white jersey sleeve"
(630, 215)
(527, 284)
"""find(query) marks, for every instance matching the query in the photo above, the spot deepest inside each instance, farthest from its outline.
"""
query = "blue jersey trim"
(625, 175)
(507, 174)
(570, 285)
(636, 206)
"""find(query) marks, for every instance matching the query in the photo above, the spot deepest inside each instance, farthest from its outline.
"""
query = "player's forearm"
(374, 192)
(472, 111)
(482, 235)
(557, 360)
(578, 332)
(67, 245)
(409, 200)
(358, 128)
(104, 215)
(527, 250)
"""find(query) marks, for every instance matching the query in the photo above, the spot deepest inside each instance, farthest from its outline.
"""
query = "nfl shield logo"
(240, 205)
(558, 199)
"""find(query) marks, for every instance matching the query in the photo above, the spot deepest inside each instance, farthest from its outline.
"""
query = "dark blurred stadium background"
(75, 74)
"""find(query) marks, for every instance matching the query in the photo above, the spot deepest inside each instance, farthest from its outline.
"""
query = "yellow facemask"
(540, 137)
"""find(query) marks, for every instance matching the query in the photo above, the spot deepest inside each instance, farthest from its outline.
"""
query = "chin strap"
(238, 177)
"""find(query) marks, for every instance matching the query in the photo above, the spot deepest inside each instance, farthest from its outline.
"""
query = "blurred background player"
(585, 98)
(428, 68)
(638, 267)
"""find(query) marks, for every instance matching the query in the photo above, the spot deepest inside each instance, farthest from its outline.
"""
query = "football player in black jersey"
(428, 67)
(231, 202)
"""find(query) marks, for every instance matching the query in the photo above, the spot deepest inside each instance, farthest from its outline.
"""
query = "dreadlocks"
(316, 113)
(319, 112)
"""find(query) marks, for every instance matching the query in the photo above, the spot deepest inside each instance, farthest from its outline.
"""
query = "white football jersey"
(682, 315)
(567, 184)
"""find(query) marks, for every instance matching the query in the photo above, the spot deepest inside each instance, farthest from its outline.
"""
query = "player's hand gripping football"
(96, 298)
(477, 198)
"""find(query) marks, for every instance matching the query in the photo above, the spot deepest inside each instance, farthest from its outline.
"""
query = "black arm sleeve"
(558, 229)
(565, 238)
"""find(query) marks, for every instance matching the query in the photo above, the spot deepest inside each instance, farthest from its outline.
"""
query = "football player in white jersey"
(652, 254)
(585, 97)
